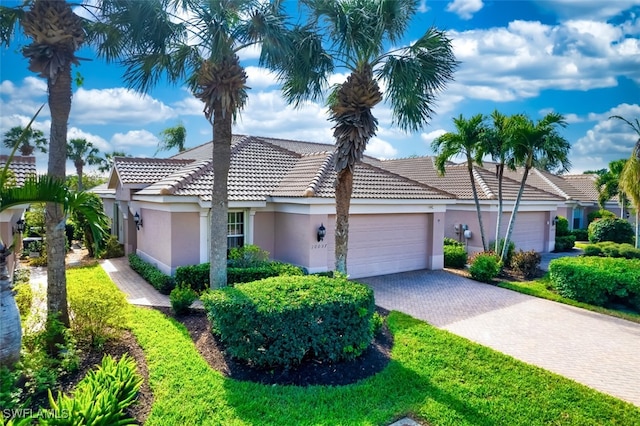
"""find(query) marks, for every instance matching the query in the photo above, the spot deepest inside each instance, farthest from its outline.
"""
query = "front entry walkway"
(594, 349)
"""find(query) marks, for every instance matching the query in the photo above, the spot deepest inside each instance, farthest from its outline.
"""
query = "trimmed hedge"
(580, 234)
(596, 280)
(562, 227)
(565, 243)
(616, 230)
(455, 256)
(610, 249)
(485, 266)
(197, 276)
(160, 281)
(282, 320)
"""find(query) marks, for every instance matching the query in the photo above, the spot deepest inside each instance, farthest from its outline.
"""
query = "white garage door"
(529, 231)
(385, 244)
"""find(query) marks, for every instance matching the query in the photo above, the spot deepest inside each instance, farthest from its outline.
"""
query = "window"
(235, 229)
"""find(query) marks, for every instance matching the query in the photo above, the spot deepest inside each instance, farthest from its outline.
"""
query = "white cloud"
(587, 8)
(260, 78)
(422, 7)
(431, 136)
(380, 149)
(97, 141)
(137, 138)
(465, 8)
(117, 106)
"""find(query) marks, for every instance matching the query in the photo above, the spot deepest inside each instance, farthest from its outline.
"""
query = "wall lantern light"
(137, 220)
(322, 231)
(555, 221)
(19, 228)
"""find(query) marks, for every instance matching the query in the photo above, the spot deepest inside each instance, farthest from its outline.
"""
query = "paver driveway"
(597, 350)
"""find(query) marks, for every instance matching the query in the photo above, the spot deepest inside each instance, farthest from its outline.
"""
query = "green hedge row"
(565, 243)
(159, 280)
(610, 249)
(596, 280)
(197, 276)
(279, 321)
(455, 256)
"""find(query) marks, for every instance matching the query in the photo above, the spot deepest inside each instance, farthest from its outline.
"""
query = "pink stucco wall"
(185, 239)
(263, 231)
(154, 237)
(293, 238)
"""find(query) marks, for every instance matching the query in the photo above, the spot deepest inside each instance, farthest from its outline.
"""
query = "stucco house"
(20, 168)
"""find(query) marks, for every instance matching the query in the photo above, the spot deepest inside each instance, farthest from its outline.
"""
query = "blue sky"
(580, 58)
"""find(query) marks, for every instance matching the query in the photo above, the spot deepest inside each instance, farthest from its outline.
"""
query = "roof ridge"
(553, 185)
(241, 144)
(483, 185)
(188, 175)
(326, 167)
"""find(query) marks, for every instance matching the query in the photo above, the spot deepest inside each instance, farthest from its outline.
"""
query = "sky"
(580, 58)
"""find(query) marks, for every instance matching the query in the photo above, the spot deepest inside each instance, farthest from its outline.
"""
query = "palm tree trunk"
(79, 170)
(500, 173)
(59, 105)
(512, 219)
(219, 200)
(638, 227)
(478, 211)
(11, 330)
(344, 188)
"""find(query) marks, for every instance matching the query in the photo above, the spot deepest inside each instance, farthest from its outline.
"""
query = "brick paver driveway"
(597, 350)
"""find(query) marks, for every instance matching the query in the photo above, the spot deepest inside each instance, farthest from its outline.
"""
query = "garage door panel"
(529, 231)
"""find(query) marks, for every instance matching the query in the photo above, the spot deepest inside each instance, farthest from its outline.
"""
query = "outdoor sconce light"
(322, 231)
(555, 221)
(19, 228)
(137, 220)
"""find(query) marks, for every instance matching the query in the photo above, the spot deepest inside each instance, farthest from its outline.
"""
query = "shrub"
(610, 249)
(97, 306)
(452, 242)
(511, 248)
(194, 276)
(592, 250)
(565, 243)
(181, 299)
(616, 230)
(485, 266)
(101, 397)
(628, 251)
(526, 263)
(160, 281)
(281, 320)
(562, 227)
(113, 248)
(455, 256)
(24, 298)
(595, 280)
(580, 234)
(247, 256)
(599, 214)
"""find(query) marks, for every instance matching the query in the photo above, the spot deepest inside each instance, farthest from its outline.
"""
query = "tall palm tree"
(531, 142)
(82, 152)
(630, 176)
(173, 137)
(56, 34)
(608, 185)
(197, 42)
(106, 162)
(32, 140)
(469, 142)
(353, 35)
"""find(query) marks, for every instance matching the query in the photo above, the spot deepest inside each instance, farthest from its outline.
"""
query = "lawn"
(434, 376)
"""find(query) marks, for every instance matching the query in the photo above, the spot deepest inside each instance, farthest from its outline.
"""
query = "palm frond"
(90, 206)
(9, 18)
(35, 189)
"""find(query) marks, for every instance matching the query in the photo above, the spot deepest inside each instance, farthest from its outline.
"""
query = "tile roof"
(456, 180)
(585, 184)
(132, 170)
(20, 166)
(565, 188)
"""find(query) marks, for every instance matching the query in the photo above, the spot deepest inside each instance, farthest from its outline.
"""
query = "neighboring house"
(20, 168)
(534, 227)
(280, 193)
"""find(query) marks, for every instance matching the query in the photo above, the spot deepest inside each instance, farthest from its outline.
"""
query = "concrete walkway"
(548, 257)
(594, 349)
(137, 290)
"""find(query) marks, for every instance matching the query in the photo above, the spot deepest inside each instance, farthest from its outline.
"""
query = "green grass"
(542, 288)
(434, 375)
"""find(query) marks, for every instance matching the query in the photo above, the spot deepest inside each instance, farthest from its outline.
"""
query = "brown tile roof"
(20, 166)
(585, 184)
(456, 180)
(132, 170)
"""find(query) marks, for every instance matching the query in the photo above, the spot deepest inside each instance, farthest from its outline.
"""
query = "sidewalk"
(137, 290)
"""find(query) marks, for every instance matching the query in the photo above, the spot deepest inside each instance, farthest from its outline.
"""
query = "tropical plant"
(353, 36)
(33, 139)
(173, 137)
(198, 42)
(531, 142)
(107, 160)
(608, 186)
(469, 142)
(82, 152)
(630, 176)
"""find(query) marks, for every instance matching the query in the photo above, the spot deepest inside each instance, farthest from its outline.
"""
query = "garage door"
(384, 244)
(529, 231)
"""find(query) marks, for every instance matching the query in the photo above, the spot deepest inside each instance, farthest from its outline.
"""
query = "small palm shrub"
(485, 266)
(526, 263)
(280, 321)
(616, 230)
(181, 299)
(455, 256)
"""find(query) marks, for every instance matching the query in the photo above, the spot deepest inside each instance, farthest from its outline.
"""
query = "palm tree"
(56, 33)
(630, 176)
(173, 137)
(608, 185)
(469, 142)
(355, 34)
(197, 42)
(106, 162)
(33, 139)
(82, 152)
(531, 142)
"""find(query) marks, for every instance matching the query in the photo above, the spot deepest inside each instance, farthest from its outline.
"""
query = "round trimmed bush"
(616, 230)
(282, 320)
(485, 267)
(562, 227)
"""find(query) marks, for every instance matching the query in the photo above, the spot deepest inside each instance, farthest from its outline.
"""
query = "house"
(10, 219)
(280, 193)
